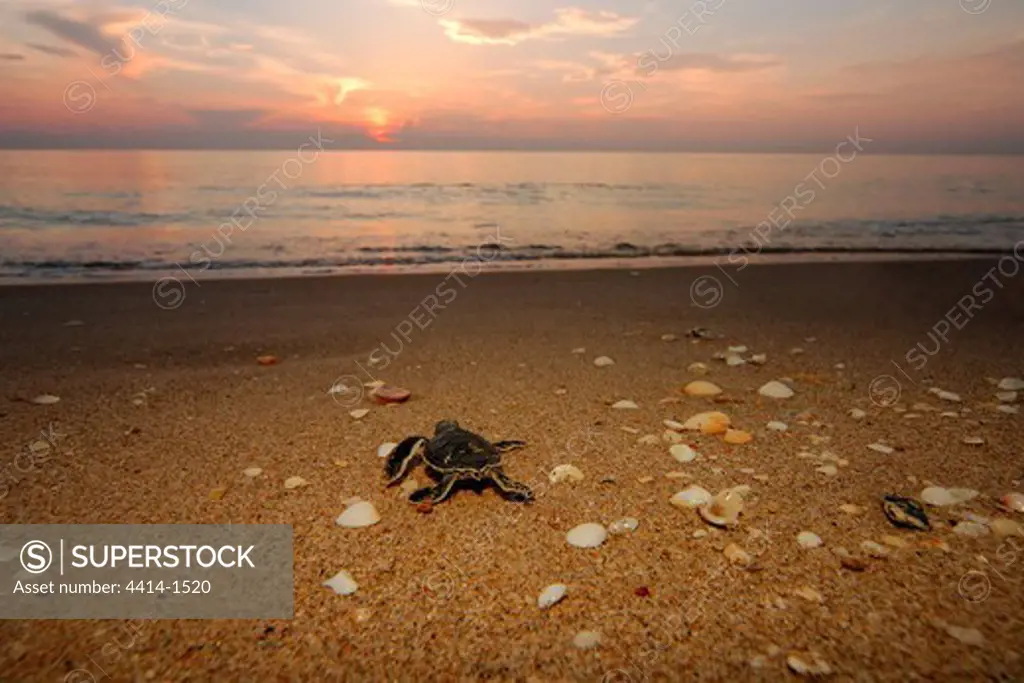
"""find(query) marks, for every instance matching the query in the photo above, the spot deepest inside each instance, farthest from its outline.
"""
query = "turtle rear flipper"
(509, 445)
(404, 456)
(435, 494)
(511, 489)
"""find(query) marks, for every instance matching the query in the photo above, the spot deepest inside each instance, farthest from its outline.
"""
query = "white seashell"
(294, 482)
(809, 539)
(971, 529)
(702, 387)
(359, 515)
(737, 349)
(724, 509)
(668, 337)
(586, 640)
(1013, 501)
(708, 423)
(677, 426)
(809, 594)
(974, 440)
(777, 426)
(691, 497)
(733, 360)
(775, 389)
(851, 509)
(816, 667)
(360, 413)
(857, 414)
(624, 525)
(603, 361)
(796, 351)
(828, 470)
(649, 440)
(937, 496)
(875, 550)
(551, 595)
(45, 400)
(1008, 409)
(697, 369)
(948, 396)
(565, 473)
(967, 636)
(252, 472)
(625, 405)
(1007, 396)
(881, 448)
(670, 436)
(384, 450)
(342, 583)
(340, 388)
(589, 535)
(759, 358)
(737, 555)
(682, 452)
(1011, 384)
(579, 350)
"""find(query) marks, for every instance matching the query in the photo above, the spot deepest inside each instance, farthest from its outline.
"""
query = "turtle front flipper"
(509, 445)
(403, 458)
(435, 494)
(512, 489)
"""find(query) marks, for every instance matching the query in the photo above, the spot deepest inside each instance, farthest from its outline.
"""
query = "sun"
(379, 124)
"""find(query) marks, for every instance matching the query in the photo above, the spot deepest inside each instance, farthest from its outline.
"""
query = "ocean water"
(67, 215)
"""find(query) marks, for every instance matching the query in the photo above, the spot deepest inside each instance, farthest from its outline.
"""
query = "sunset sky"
(729, 75)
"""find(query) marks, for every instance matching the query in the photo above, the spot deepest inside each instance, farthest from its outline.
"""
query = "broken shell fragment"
(342, 583)
(358, 515)
(551, 595)
(737, 555)
(702, 388)
(682, 452)
(692, 497)
(389, 394)
(565, 473)
(724, 509)
(737, 436)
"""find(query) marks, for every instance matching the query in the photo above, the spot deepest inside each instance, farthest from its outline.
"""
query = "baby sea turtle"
(906, 513)
(452, 455)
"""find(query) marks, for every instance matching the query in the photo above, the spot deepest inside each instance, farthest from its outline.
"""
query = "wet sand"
(159, 407)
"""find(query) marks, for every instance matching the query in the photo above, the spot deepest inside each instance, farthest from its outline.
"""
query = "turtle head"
(445, 426)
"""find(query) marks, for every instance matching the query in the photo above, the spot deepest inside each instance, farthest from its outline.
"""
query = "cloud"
(80, 33)
(11, 57)
(706, 61)
(52, 50)
(569, 21)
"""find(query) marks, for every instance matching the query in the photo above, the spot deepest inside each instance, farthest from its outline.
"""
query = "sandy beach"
(160, 407)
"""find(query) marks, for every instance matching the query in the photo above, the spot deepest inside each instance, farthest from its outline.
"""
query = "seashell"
(724, 509)
(938, 496)
(697, 369)
(668, 337)
(389, 394)
(808, 665)
(359, 413)
(737, 349)
(809, 539)
(737, 437)
(45, 400)
(737, 555)
(948, 396)
(1007, 396)
(1008, 409)
(565, 473)
(1003, 527)
(973, 440)
(857, 414)
(880, 448)
(579, 351)
(267, 360)
(702, 388)
(851, 509)
(384, 450)
(586, 640)
(775, 389)
(669, 436)
(374, 384)
(603, 361)
(874, 549)
(827, 470)
(682, 452)
(294, 482)
(677, 426)
(809, 594)
(1011, 384)
(649, 440)
(625, 405)
(624, 525)
(971, 529)
(1013, 501)
(342, 583)
(759, 358)
(358, 515)
(967, 636)
(777, 426)
(340, 388)
(732, 360)
(252, 472)
(708, 423)
(551, 595)
(905, 513)
(894, 541)
(691, 497)
(589, 535)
